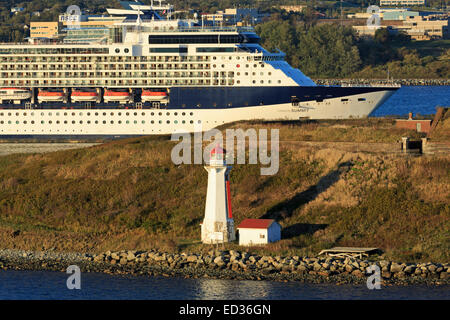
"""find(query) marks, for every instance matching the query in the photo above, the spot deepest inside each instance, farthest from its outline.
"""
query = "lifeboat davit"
(121, 96)
(49, 95)
(14, 94)
(151, 95)
(82, 95)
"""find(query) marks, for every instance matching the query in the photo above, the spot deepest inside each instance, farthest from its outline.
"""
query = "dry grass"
(128, 195)
(442, 131)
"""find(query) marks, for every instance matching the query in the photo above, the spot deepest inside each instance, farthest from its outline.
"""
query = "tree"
(382, 36)
(278, 34)
(328, 51)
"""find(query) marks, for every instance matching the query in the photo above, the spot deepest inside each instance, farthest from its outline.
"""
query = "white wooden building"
(258, 232)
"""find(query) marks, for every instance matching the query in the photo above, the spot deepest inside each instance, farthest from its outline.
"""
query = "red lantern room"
(217, 156)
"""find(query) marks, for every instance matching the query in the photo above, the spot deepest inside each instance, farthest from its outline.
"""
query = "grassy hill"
(128, 194)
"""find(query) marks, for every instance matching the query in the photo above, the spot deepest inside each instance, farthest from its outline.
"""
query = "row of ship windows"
(176, 74)
(101, 81)
(29, 66)
(97, 122)
(155, 58)
(78, 67)
(97, 113)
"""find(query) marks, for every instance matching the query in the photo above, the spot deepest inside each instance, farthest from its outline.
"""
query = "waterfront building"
(426, 28)
(258, 232)
(417, 25)
(402, 2)
(235, 16)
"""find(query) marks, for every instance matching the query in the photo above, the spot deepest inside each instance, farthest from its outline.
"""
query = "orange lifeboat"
(49, 95)
(81, 95)
(151, 95)
(121, 96)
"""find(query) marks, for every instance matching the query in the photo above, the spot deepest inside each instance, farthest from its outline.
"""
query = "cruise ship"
(154, 75)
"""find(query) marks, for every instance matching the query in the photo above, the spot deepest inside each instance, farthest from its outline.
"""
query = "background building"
(16, 10)
(234, 16)
(293, 8)
(258, 231)
(402, 2)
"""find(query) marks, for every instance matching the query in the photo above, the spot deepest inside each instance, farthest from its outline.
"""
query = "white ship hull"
(132, 122)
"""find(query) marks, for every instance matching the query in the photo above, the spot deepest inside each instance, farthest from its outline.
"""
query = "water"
(416, 99)
(47, 285)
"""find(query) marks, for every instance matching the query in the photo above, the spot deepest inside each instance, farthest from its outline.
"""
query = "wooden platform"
(350, 252)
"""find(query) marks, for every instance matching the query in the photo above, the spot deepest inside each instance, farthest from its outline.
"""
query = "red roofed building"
(258, 231)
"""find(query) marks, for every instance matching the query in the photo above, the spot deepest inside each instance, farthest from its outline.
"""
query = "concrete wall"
(252, 237)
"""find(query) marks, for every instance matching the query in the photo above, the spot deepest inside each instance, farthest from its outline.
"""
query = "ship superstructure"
(155, 76)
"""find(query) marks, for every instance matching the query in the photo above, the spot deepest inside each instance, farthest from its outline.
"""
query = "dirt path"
(11, 148)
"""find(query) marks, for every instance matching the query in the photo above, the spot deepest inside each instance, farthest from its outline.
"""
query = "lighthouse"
(218, 224)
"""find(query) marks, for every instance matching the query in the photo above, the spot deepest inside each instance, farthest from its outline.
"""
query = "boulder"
(235, 267)
(384, 264)
(395, 267)
(432, 268)
(219, 261)
(326, 266)
(115, 256)
(409, 269)
(357, 273)
(316, 266)
(191, 258)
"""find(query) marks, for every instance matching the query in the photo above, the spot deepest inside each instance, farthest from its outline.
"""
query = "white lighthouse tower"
(218, 224)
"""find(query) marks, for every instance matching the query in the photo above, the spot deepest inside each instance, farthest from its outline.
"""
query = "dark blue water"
(45, 285)
(417, 99)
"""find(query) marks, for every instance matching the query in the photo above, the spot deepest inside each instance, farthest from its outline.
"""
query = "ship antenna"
(138, 25)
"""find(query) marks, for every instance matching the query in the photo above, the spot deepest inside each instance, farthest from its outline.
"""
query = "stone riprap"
(229, 265)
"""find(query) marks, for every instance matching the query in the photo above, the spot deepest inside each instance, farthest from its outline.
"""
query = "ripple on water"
(52, 285)
(416, 99)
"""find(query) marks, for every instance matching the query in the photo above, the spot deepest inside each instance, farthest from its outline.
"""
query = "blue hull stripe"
(237, 97)
(228, 97)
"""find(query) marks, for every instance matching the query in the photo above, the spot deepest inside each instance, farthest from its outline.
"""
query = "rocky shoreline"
(384, 82)
(229, 265)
